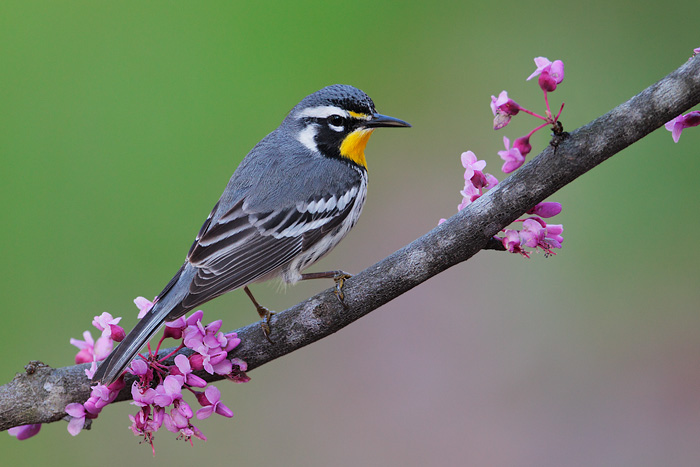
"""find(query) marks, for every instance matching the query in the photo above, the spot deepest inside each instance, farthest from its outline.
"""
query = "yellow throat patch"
(353, 146)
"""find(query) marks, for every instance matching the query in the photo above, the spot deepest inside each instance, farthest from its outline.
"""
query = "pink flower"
(554, 238)
(175, 421)
(232, 341)
(184, 408)
(103, 347)
(538, 234)
(491, 180)
(77, 421)
(90, 372)
(503, 109)
(522, 144)
(512, 157)
(174, 328)
(512, 241)
(239, 368)
(144, 306)
(555, 69)
(91, 351)
(102, 395)
(470, 194)
(169, 391)
(211, 345)
(145, 423)
(25, 431)
(138, 367)
(546, 209)
(183, 368)
(550, 73)
(210, 399)
(471, 164)
(678, 124)
(86, 353)
(197, 362)
(108, 326)
(222, 367)
(475, 181)
(532, 233)
(141, 396)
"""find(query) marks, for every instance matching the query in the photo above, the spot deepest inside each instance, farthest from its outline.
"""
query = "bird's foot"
(339, 278)
(265, 314)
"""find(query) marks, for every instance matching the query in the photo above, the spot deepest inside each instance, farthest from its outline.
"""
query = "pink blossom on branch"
(546, 209)
(25, 431)
(76, 412)
(211, 348)
(211, 402)
(144, 306)
(512, 157)
(678, 124)
(503, 109)
(471, 165)
(550, 73)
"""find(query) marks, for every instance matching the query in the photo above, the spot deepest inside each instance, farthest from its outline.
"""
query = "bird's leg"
(338, 276)
(264, 312)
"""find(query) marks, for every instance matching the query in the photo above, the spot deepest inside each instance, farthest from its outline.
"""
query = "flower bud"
(117, 332)
(546, 209)
(522, 144)
(174, 332)
(479, 179)
(547, 82)
(202, 399)
(197, 362)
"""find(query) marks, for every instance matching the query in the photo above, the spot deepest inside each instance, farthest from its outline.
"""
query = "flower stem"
(529, 112)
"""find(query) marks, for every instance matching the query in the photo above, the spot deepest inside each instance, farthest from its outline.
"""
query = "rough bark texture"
(40, 394)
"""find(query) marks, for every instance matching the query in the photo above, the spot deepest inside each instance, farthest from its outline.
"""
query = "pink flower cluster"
(91, 351)
(158, 390)
(536, 233)
(164, 405)
(476, 182)
(95, 351)
(551, 74)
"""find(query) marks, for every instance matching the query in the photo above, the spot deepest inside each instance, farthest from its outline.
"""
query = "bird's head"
(337, 122)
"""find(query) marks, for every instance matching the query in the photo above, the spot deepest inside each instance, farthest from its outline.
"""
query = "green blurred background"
(122, 121)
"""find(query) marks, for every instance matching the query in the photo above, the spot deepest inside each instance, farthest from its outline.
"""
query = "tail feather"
(110, 369)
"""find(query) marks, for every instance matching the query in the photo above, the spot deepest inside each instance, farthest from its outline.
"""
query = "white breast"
(292, 272)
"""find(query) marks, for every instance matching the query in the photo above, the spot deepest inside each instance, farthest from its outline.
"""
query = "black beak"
(379, 120)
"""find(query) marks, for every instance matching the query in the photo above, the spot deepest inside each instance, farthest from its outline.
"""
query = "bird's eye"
(336, 120)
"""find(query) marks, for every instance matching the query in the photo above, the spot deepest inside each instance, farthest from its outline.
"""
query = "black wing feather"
(241, 247)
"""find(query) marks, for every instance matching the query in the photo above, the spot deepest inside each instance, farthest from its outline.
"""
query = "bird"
(290, 201)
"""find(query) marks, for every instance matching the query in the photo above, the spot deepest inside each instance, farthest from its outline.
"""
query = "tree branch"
(40, 394)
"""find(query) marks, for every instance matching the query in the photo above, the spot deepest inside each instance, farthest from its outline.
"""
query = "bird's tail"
(110, 369)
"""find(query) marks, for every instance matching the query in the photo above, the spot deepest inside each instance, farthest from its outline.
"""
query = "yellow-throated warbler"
(295, 195)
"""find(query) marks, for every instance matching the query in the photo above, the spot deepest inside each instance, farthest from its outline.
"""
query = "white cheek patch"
(322, 111)
(307, 137)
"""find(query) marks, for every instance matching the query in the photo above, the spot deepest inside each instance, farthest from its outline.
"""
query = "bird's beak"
(379, 120)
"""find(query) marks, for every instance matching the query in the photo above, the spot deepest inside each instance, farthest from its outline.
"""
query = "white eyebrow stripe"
(307, 137)
(322, 111)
